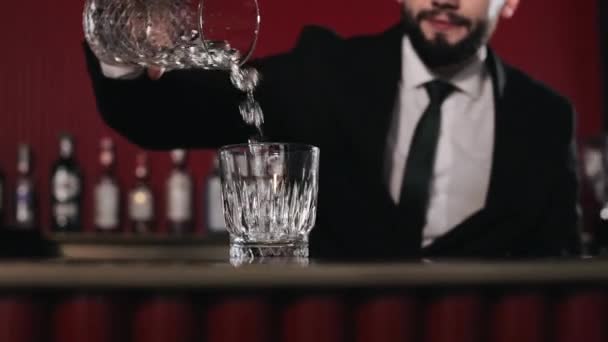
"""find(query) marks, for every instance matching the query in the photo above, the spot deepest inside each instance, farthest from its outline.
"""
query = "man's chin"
(438, 54)
(444, 39)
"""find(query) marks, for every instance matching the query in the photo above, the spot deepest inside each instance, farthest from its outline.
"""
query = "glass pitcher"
(173, 34)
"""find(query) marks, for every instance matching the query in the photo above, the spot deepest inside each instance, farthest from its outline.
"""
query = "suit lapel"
(371, 97)
(504, 161)
(371, 90)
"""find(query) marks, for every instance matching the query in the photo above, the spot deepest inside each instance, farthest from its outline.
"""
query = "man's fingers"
(155, 72)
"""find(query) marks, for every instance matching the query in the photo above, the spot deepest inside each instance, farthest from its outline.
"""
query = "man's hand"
(120, 71)
(127, 72)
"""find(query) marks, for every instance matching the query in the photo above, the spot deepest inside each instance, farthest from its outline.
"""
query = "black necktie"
(417, 178)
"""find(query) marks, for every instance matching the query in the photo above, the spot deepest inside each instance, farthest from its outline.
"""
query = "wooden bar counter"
(200, 274)
(157, 296)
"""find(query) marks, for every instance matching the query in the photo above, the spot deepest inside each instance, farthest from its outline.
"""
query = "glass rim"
(293, 147)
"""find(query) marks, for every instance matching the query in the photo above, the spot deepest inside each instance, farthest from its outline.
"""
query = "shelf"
(140, 247)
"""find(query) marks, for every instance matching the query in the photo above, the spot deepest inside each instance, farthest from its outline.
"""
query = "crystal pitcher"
(173, 34)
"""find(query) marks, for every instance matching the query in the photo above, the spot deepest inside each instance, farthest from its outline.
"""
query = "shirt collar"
(468, 80)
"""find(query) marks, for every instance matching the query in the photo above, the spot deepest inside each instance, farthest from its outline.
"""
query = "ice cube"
(251, 112)
(275, 164)
(246, 80)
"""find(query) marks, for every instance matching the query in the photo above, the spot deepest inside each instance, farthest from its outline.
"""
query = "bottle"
(179, 195)
(107, 193)
(2, 197)
(66, 189)
(25, 194)
(141, 200)
(212, 202)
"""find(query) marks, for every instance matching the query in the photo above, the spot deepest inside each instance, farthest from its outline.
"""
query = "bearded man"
(431, 146)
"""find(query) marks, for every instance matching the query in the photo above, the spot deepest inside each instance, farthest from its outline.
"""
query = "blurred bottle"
(212, 201)
(2, 198)
(107, 192)
(25, 192)
(595, 165)
(179, 195)
(141, 200)
(66, 189)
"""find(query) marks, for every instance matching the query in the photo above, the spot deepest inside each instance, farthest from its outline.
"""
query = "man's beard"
(439, 53)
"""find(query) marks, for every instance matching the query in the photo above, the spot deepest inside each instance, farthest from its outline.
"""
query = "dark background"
(44, 88)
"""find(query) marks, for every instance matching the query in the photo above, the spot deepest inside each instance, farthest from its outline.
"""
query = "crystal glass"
(173, 34)
(269, 192)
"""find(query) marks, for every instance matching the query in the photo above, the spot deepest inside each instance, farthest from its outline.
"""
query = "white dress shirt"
(461, 171)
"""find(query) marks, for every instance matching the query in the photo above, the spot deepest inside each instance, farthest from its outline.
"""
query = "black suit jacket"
(339, 94)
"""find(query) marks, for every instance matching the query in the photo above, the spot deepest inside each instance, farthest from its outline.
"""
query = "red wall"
(44, 87)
